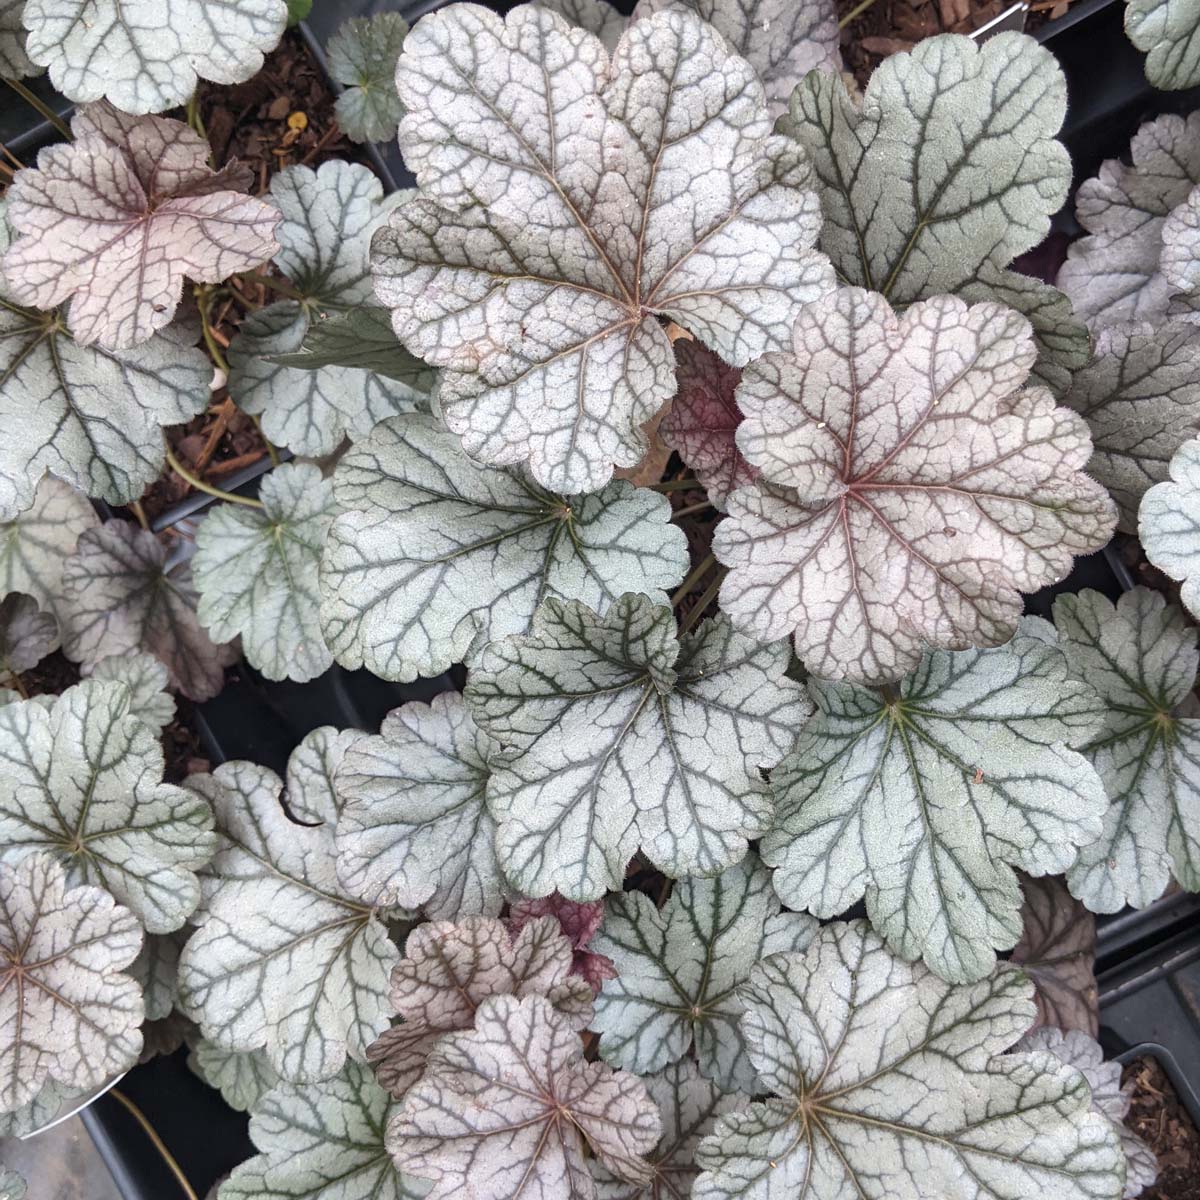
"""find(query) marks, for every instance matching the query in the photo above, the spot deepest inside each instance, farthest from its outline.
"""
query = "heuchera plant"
(690, 422)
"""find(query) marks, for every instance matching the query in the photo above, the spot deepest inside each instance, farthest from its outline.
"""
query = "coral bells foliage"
(681, 449)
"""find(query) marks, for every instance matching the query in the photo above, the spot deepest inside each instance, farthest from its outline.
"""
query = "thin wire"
(156, 1142)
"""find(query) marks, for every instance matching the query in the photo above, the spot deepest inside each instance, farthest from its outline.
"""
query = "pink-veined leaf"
(579, 923)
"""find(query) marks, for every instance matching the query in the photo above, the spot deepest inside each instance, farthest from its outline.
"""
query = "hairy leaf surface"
(567, 203)
(414, 828)
(311, 793)
(284, 959)
(121, 595)
(509, 1107)
(449, 969)
(1114, 274)
(702, 421)
(12, 1185)
(115, 219)
(241, 1078)
(1169, 32)
(82, 779)
(922, 799)
(148, 58)
(156, 970)
(27, 634)
(71, 1016)
(1141, 657)
(329, 216)
(618, 735)
(909, 489)
(889, 1083)
(321, 1141)
(1057, 951)
(1140, 396)
(689, 1106)
(362, 56)
(146, 680)
(1109, 1098)
(678, 971)
(1181, 249)
(256, 572)
(1169, 523)
(436, 556)
(946, 171)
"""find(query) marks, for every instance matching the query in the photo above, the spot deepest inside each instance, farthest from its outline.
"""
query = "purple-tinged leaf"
(27, 634)
(579, 923)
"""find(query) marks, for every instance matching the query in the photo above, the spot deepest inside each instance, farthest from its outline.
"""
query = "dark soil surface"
(1158, 1117)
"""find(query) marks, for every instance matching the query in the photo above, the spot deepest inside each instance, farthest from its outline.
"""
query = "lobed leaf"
(888, 1082)
(146, 680)
(15, 63)
(1141, 657)
(1180, 262)
(561, 215)
(71, 1014)
(922, 798)
(1140, 395)
(362, 56)
(312, 796)
(1169, 32)
(579, 923)
(150, 59)
(511, 1105)
(1057, 951)
(942, 175)
(120, 595)
(414, 829)
(909, 488)
(450, 969)
(283, 959)
(678, 971)
(243, 1079)
(324, 237)
(256, 572)
(156, 970)
(27, 634)
(82, 781)
(1169, 523)
(617, 735)
(1114, 274)
(435, 556)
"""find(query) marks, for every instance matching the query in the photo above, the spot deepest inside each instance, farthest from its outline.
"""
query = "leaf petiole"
(201, 486)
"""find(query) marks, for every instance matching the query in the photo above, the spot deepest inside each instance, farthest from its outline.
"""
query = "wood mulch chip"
(1158, 1118)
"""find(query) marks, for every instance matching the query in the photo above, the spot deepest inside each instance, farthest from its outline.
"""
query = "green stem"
(275, 285)
(203, 301)
(194, 119)
(201, 486)
(33, 102)
(856, 12)
(271, 451)
(675, 485)
(694, 578)
(697, 611)
(138, 511)
(687, 510)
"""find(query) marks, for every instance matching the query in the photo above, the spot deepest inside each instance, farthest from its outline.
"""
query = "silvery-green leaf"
(924, 797)
(321, 1141)
(27, 634)
(166, 1036)
(362, 338)
(283, 958)
(905, 1087)
(113, 221)
(1140, 396)
(1169, 523)
(121, 595)
(147, 680)
(37, 1113)
(362, 57)
(8, 696)
(1109, 1098)
(1114, 274)
(91, 416)
(1181, 249)
(156, 969)
(82, 779)
(324, 238)
(678, 971)
(619, 735)
(450, 968)
(149, 59)
(256, 573)
(70, 1015)
(241, 1078)
(689, 1106)
(436, 556)
(910, 486)
(14, 62)
(414, 829)
(1141, 657)
(1057, 951)
(781, 39)
(598, 17)
(34, 546)
(1169, 32)
(512, 1108)
(12, 1186)
(943, 174)
(568, 202)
